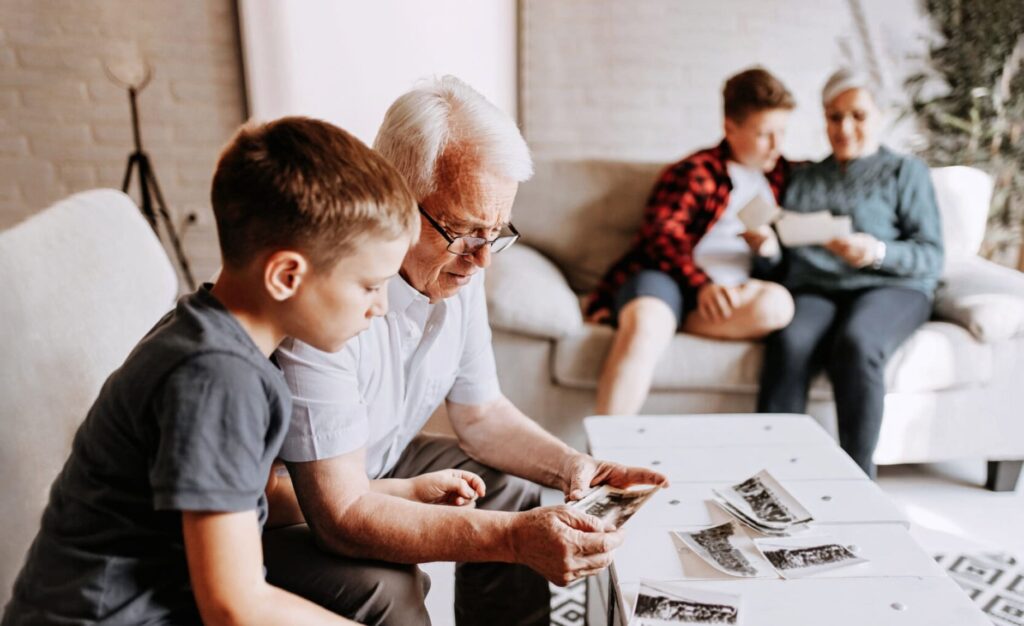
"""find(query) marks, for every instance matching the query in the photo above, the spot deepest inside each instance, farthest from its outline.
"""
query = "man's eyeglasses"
(464, 245)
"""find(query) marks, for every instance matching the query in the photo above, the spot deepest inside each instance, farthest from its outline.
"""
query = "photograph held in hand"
(614, 505)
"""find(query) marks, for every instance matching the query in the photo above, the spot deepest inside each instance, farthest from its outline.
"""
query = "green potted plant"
(969, 102)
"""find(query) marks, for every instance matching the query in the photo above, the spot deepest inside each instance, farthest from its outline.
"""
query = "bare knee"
(773, 308)
(647, 320)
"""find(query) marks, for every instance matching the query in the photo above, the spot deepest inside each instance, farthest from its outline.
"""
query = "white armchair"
(83, 282)
(954, 387)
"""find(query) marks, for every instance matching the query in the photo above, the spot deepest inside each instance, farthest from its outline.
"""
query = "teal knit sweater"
(887, 195)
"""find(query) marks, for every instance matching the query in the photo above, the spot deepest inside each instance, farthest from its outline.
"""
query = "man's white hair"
(446, 112)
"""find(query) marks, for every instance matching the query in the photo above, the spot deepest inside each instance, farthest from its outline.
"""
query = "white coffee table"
(901, 584)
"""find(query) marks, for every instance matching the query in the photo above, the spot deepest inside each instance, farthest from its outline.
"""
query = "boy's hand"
(451, 486)
(716, 302)
(762, 241)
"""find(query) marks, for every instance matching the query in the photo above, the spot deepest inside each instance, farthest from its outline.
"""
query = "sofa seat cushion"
(938, 356)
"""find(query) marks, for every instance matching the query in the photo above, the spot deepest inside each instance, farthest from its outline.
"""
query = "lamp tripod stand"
(152, 204)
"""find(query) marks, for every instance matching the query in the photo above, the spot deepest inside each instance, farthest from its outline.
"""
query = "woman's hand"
(451, 486)
(857, 249)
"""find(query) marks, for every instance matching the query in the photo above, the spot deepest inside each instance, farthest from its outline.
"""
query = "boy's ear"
(283, 272)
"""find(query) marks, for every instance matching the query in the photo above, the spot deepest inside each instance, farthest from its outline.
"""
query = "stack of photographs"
(614, 505)
(664, 604)
(764, 505)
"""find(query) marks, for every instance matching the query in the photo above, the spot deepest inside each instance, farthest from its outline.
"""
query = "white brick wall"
(642, 79)
(64, 127)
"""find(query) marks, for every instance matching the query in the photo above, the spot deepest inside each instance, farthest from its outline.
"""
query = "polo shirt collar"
(402, 295)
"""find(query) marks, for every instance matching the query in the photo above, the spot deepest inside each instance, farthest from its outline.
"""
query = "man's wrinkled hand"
(583, 472)
(563, 544)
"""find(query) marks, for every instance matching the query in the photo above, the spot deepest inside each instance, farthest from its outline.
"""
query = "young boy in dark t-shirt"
(156, 516)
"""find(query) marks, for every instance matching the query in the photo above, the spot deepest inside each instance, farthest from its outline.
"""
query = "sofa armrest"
(527, 294)
(983, 297)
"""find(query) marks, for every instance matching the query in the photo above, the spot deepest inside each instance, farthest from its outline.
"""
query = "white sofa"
(83, 282)
(955, 388)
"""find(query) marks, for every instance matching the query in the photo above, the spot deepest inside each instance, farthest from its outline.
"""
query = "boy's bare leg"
(761, 308)
(646, 326)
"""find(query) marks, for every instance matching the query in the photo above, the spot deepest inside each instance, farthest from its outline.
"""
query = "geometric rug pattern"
(569, 604)
(994, 580)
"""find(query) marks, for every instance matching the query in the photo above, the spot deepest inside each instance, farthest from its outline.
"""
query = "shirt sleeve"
(919, 251)
(675, 218)
(329, 415)
(476, 381)
(212, 413)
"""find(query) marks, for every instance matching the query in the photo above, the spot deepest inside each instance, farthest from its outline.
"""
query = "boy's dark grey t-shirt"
(191, 422)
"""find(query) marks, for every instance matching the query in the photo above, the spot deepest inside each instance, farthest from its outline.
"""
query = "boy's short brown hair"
(304, 184)
(752, 91)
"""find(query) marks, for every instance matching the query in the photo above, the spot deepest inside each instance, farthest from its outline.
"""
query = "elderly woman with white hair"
(858, 297)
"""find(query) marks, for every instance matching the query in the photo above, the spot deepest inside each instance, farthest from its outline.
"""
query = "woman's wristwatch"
(876, 263)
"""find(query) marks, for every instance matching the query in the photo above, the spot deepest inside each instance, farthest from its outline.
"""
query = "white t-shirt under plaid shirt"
(382, 387)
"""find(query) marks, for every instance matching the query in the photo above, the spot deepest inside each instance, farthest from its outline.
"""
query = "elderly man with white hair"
(354, 451)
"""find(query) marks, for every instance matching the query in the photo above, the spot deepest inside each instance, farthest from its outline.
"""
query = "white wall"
(642, 79)
(346, 61)
(65, 127)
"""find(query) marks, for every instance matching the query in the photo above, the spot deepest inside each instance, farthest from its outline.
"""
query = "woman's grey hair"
(443, 113)
(846, 79)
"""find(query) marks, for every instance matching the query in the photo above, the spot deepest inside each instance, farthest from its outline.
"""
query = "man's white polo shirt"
(382, 387)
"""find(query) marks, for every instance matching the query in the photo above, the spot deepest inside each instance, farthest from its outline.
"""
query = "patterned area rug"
(569, 604)
(994, 581)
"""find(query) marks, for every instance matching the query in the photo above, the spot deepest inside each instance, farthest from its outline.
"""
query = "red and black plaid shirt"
(686, 202)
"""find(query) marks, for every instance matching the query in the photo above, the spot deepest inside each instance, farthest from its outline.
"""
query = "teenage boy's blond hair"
(307, 185)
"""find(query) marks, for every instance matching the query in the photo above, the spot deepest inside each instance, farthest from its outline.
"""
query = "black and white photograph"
(799, 557)
(761, 502)
(614, 505)
(659, 604)
(727, 548)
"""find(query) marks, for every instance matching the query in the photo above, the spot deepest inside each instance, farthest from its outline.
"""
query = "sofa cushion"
(583, 214)
(938, 356)
(527, 294)
(983, 297)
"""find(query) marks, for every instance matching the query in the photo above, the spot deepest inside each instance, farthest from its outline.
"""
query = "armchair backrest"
(963, 194)
(83, 281)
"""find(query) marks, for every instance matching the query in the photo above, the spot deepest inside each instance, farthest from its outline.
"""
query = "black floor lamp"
(152, 202)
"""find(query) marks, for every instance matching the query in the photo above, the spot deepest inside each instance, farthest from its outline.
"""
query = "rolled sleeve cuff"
(477, 392)
(335, 435)
(206, 500)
